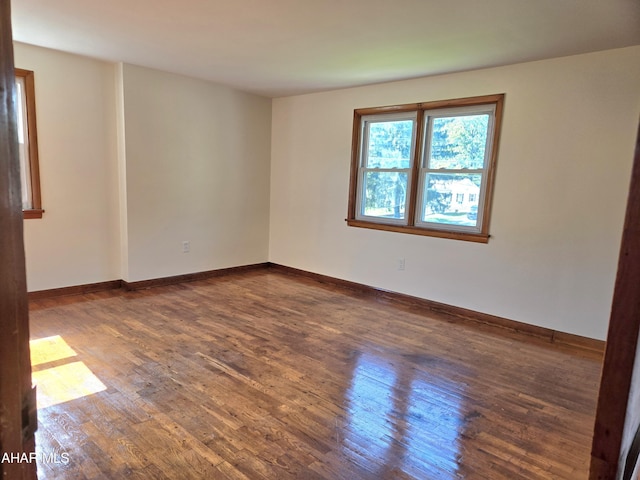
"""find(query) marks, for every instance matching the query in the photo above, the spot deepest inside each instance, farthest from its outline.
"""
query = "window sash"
(425, 169)
(420, 210)
(28, 143)
(23, 144)
(362, 193)
(363, 148)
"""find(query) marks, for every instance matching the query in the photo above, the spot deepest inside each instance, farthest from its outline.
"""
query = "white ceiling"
(284, 47)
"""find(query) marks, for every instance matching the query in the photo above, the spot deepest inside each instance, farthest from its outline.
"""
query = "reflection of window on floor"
(59, 377)
(404, 415)
(370, 405)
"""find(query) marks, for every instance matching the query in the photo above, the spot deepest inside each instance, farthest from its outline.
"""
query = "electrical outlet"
(186, 246)
(401, 264)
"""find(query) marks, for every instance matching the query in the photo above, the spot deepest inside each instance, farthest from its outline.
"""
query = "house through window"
(426, 168)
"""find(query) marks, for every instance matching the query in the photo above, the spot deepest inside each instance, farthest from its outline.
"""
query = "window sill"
(32, 213)
(468, 237)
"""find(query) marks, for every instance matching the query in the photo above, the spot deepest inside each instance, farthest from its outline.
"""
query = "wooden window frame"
(481, 236)
(36, 210)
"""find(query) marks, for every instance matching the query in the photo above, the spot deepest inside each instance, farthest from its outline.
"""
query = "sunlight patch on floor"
(58, 381)
(49, 349)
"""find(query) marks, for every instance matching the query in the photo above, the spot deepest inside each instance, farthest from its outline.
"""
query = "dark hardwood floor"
(262, 375)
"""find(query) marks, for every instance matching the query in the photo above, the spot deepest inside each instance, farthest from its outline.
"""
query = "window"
(426, 168)
(28, 144)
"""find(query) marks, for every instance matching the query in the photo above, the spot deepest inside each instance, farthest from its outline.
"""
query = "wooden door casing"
(17, 408)
(614, 450)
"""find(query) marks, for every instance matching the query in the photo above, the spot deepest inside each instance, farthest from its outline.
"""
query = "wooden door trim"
(15, 365)
(621, 347)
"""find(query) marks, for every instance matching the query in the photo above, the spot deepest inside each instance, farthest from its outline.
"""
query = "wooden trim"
(469, 237)
(453, 102)
(16, 419)
(75, 290)
(190, 277)
(459, 313)
(407, 107)
(36, 210)
(493, 162)
(616, 390)
(353, 174)
(414, 180)
(579, 341)
(32, 213)
(130, 286)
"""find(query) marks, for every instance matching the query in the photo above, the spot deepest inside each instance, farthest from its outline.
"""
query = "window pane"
(389, 144)
(451, 198)
(459, 142)
(23, 143)
(384, 194)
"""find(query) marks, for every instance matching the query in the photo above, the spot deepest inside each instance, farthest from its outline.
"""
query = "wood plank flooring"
(262, 375)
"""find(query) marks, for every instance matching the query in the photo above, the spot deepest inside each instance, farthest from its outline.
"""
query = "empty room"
(284, 239)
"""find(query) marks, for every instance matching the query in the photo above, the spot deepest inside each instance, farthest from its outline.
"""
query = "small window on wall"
(426, 168)
(28, 144)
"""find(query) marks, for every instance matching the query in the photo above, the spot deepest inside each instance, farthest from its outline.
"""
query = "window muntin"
(441, 184)
(28, 143)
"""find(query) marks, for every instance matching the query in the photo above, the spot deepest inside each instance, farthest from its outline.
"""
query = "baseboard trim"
(190, 277)
(75, 290)
(459, 313)
(547, 334)
(140, 285)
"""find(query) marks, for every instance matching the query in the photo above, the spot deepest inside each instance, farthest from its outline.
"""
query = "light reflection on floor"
(396, 411)
(57, 380)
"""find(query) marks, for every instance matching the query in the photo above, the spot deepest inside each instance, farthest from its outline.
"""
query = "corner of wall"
(122, 171)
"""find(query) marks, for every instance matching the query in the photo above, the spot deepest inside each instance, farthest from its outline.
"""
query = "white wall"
(563, 170)
(76, 241)
(133, 161)
(197, 170)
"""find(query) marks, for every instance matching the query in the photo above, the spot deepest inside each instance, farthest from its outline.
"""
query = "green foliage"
(390, 144)
(385, 194)
(459, 142)
(438, 201)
